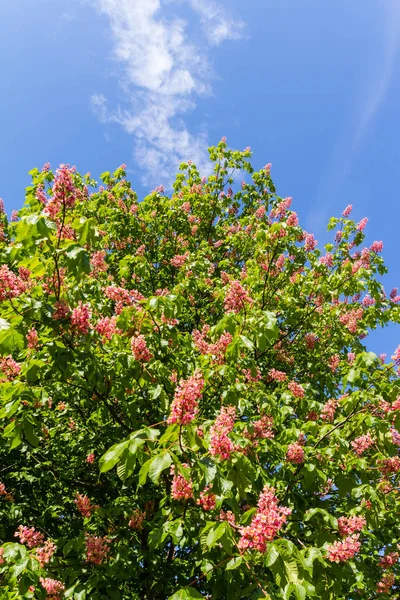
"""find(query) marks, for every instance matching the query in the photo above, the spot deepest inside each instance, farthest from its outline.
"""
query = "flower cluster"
(29, 536)
(181, 488)
(107, 326)
(10, 368)
(207, 499)
(266, 523)
(295, 453)
(341, 551)
(44, 553)
(32, 338)
(385, 584)
(11, 286)
(362, 443)
(220, 444)
(275, 375)
(80, 318)
(84, 505)
(97, 548)
(139, 349)
(297, 390)
(236, 297)
(136, 519)
(53, 587)
(217, 349)
(184, 406)
(349, 525)
(98, 262)
(389, 560)
(64, 192)
(329, 409)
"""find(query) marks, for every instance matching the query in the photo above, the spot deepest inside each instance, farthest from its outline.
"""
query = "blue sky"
(312, 86)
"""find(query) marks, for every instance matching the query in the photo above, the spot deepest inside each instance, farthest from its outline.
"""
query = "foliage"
(187, 406)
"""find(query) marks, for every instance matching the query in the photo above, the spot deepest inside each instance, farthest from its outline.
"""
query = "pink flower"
(265, 524)
(262, 429)
(97, 548)
(80, 318)
(362, 443)
(3, 491)
(10, 368)
(179, 260)
(310, 339)
(295, 453)
(53, 587)
(90, 458)
(217, 349)
(181, 488)
(347, 210)
(345, 549)
(98, 262)
(207, 499)
(139, 349)
(361, 225)
(329, 409)
(293, 220)
(29, 536)
(395, 436)
(260, 212)
(136, 520)
(236, 297)
(396, 355)
(44, 553)
(296, 389)
(385, 584)
(61, 310)
(227, 516)
(349, 525)
(389, 466)
(220, 444)
(184, 406)
(351, 357)
(107, 326)
(333, 362)
(11, 286)
(310, 242)
(32, 338)
(376, 247)
(275, 375)
(389, 560)
(84, 505)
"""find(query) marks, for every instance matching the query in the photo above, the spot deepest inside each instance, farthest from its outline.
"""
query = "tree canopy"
(188, 409)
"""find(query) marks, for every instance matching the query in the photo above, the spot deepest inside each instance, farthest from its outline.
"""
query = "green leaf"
(4, 324)
(77, 259)
(246, 342)
(271, 556)
(31, 435)
(215, 534)
(111, 457)
(186, 593)
(10, 340)
(158, 464)
(234, 563)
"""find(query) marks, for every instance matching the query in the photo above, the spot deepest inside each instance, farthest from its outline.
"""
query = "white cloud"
(162, 75)
(218, 25)
(380, 83)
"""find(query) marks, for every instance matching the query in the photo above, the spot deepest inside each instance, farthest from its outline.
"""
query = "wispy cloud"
(365, 111)
(162, 75)
(380, 83)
